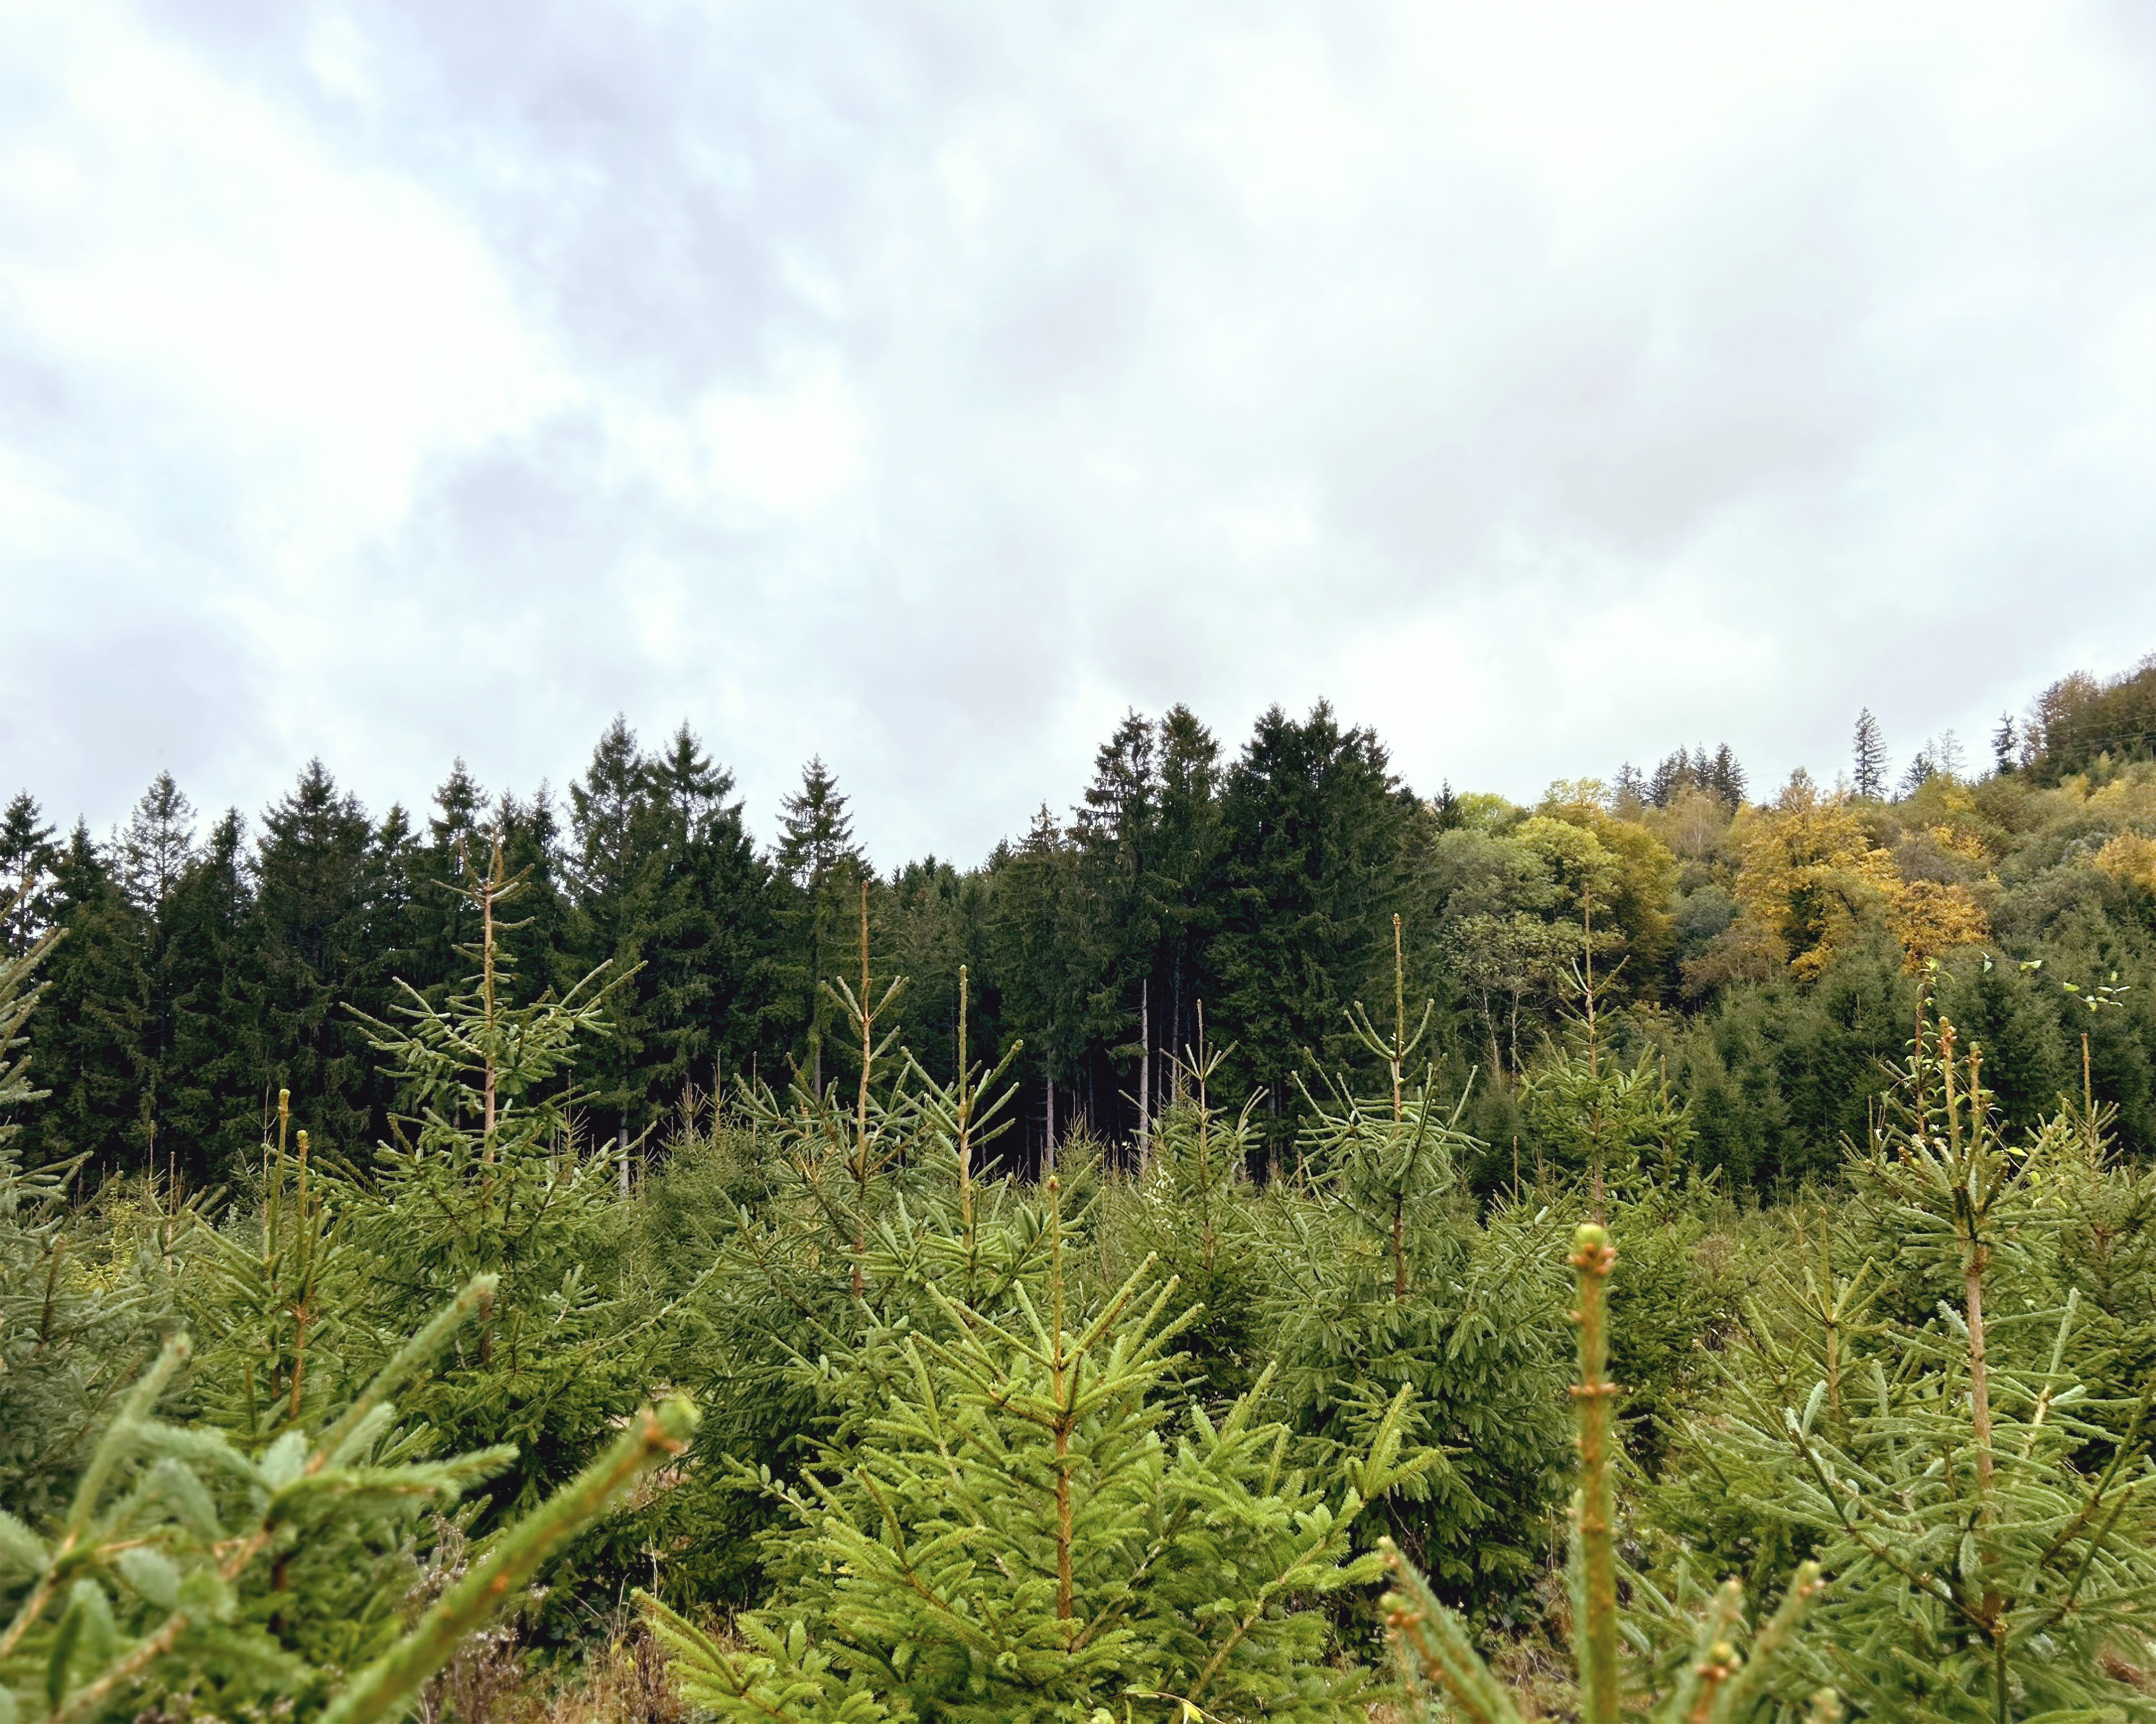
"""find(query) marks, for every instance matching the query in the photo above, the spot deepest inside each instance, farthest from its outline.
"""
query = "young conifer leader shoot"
(1718, 1685)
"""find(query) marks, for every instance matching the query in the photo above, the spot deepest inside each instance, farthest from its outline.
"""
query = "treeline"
(1766, 954)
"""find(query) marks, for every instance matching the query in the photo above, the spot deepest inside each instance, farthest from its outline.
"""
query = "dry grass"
(1533, 1660)
(622, 1681)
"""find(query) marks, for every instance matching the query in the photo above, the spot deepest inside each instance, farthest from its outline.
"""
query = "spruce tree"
(543, 943)
(458, 831)
(1935, 1424)
(1390, 1286)
(64, 1347)
(92, 1053)
(154, 849)
(798, 1271)
(1039, 937)
(26, 867)
(2005, 746)
(210, 1092)
(705, 985)
(320, 868)
(1591, 1114)
(1116, 835)
(1718, 1679)
(275, 1297)
(1725, 778)
(1317, 845)
(484, 1174)
(1188, 860)
(189, 1572)
(817, 855)
(153, 856)
(1017, 1528)
(1194, 1208)
(615, 869)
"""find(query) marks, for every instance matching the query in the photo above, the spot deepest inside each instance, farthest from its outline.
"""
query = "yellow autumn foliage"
(1809, 875)
(1960, 841)
(1930, 917)
(2130, 858)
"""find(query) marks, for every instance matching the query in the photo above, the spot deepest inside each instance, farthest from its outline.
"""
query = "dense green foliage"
(1712, 1682)
(1777, 939)
(187, 1570)
(1090, 1269)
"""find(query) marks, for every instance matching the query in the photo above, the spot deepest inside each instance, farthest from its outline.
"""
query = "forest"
(1762, 947)
(1271, 1243)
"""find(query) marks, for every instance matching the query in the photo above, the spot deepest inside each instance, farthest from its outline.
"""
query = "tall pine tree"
(816, 855)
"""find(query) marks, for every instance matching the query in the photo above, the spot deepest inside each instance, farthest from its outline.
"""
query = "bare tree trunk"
(1145, 1067)
(1048, 1164)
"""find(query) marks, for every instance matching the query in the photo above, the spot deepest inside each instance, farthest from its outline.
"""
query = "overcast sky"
(923, 384)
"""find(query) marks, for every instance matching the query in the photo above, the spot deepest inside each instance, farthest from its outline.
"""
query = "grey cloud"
(1815, 418)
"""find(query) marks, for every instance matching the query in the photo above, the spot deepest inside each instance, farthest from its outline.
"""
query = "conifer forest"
(1268, 1242)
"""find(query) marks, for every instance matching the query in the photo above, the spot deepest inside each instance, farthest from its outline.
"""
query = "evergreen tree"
(817, 855)
(211, 1088)
(1188, 850)
(614, 870)
(153, 855)
(92, 1055)
(1316, 840)
(543, 942)
(321, 871)
(605, 805)
(1933, 1422)
(1116, 834)
(1724, 779)
(1194, 1209)
(65, 1345)
(705, 986)
(458, 830)
(1016, 1530)
(1040, 937)
(26, 869)
(1868, 763)
(1593, 1115)
(1713, 1682)
(1393, 1288)
(271, 1304)
(154, 849)
(484, 1176)
(189, 1572)
(1719, 775)
(939, 924)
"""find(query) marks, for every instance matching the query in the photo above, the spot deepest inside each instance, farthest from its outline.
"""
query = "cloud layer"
(924, 383)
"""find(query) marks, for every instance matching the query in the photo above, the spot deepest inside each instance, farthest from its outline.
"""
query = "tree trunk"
(1145, 1067)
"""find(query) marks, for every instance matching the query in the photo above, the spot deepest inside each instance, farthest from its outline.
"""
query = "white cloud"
(924, 381)
(788, 452)
(315, 328)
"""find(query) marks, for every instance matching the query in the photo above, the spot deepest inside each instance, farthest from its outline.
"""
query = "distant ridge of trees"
(2082, 719)
(1763, 943)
